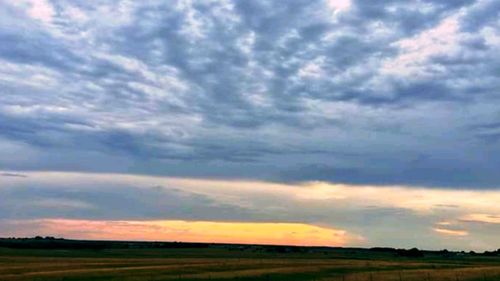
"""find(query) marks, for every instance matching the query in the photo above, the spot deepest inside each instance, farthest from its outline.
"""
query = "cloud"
(341, 91)
(12, 175)
(481, 218)
(339, 6)
(360, 215)
(417, 50)
(451, 232)
(24, 198)
(41, 10)
(482, 14)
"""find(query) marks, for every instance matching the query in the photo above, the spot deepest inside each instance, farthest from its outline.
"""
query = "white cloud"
(195, 25)
(338, 6)
(451, 232)
(76, 14)
(416, 51)
(313, 69)
(41, 10)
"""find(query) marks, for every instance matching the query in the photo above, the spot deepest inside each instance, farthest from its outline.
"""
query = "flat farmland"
(224, 264)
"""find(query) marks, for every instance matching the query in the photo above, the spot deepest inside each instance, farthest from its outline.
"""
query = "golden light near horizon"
(195, 231)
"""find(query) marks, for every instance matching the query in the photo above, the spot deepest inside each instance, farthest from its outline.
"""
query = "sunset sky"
(306, 122)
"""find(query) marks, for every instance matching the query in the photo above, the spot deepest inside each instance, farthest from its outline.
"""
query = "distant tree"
(412, 253)
(383, 249)
(446, 254)
(491, 253)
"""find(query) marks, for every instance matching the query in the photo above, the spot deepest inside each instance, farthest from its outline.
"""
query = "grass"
(224, 264)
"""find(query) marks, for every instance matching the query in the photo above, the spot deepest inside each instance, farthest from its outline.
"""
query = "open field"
(231, 264)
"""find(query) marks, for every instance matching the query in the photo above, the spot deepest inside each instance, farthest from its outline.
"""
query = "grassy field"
(230, 264)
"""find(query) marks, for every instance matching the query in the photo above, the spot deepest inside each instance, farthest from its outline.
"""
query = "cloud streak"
(364, 214)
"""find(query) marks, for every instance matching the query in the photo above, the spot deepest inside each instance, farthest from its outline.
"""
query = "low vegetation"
(53, 259)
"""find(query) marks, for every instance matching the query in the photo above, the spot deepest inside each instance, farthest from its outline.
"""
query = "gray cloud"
(254, 89)
(106, 201)
(16, 175)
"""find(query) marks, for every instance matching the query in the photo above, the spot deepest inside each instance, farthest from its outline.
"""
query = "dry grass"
(462, 274)
(26, 268)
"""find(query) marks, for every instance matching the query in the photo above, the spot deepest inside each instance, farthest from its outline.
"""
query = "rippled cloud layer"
(341, 91)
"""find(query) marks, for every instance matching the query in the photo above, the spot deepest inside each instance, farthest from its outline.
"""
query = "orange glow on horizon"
(196, 231)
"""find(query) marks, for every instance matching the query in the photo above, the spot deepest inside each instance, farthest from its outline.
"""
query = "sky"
(306, 122)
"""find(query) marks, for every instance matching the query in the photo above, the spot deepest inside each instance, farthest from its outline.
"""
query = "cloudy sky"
(322, 122)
